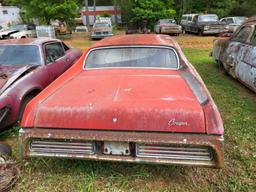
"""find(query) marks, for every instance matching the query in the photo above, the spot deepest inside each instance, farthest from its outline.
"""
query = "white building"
(9, 15)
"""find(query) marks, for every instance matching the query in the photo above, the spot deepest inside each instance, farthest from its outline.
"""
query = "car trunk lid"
(162, 103)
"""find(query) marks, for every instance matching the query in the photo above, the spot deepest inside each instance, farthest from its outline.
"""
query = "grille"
(62, 147)
(98, 33)
(174, 152)
(216, 27)
(105, 32)
(171, 28)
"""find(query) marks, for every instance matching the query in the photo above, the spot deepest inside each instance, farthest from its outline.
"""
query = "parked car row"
(201, 24)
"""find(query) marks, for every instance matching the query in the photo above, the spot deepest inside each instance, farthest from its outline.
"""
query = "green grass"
(237, 106)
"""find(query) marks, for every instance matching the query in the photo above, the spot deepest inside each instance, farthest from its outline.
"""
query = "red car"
(27, 66)
(132, 98)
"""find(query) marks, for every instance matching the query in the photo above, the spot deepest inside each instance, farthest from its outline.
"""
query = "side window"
(243, 34)
(194, 19)
(253, 39)
(229, 21)
(53, 51)
(66, 48)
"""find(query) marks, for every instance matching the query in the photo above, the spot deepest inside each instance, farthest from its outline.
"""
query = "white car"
(233, 22)
(81, 29)
(25, 31)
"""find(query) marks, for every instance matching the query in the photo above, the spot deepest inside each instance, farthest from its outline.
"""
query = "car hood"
(6, 32)
(162, 103)
(9, 74)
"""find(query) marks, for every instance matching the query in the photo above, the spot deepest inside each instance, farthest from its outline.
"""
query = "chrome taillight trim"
(61, 147)
(192, 153)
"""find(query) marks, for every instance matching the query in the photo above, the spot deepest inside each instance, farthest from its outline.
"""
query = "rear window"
(132, 57)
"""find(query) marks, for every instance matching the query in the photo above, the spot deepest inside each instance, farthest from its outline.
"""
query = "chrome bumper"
(144, 147)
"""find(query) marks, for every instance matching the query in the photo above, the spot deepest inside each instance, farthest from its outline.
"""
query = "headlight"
(180, 27)
(226, 27)
(206, 28)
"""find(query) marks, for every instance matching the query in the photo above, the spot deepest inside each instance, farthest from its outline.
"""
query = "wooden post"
(94, 7)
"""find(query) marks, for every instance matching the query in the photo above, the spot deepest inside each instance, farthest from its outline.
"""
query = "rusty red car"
(27, 66)
(131, 98)
(237, 54)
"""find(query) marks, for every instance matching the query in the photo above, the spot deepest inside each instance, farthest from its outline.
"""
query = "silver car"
(237, 54)
(233, 22)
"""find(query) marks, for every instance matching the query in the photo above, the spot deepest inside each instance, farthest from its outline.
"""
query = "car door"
(56, 61)
(233, 52)
(246, 69)
(189, 24)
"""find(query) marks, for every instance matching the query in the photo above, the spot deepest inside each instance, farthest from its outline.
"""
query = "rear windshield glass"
(19, 54)
(132, 57)
(240, 20)
(167, 21)
(207, 18)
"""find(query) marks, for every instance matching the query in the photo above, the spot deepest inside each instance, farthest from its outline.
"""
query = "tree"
(148, 11)
(63, 10)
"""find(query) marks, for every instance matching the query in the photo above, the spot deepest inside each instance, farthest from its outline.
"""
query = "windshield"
(208, 18)
(240, 20)
(18, 27)
(19, 54)
(132, 57)
(102, 25)
(167, 21)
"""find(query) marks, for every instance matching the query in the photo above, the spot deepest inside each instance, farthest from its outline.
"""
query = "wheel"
(220, 65)
(23, 106)
(5, 152)
(183, 30)
(200, 33)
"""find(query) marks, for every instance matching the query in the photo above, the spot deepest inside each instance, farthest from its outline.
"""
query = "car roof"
(27, 41)
(137, 39)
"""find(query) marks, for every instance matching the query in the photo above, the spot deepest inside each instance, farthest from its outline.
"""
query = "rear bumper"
(94, 141)
(171, 31)
(214, 31)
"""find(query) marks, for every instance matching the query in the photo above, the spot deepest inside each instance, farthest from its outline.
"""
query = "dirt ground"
(83, 41)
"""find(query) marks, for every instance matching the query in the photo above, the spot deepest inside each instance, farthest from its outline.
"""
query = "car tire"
(183, 31)
(220, 65)
(23, 105)
(200, 33)
(5, 152)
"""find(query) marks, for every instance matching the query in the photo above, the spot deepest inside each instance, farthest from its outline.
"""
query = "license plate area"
(116, 148)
